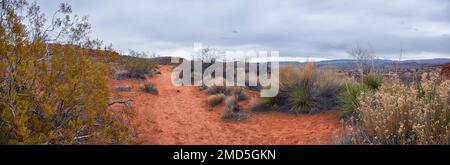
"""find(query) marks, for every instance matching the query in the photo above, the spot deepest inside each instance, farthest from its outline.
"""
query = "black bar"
(151, 153)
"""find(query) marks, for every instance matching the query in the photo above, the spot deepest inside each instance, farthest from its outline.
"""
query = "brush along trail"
(180, 115)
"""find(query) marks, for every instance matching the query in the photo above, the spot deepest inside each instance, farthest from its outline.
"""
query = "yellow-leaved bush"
(52, 93)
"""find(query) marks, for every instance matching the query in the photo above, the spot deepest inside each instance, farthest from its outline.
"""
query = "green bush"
(373, 80)
(300, 99)
(348, 99)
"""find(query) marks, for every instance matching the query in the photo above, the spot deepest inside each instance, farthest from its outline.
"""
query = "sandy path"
(180, 115)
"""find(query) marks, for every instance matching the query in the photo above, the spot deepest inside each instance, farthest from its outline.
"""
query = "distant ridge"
(379, 61)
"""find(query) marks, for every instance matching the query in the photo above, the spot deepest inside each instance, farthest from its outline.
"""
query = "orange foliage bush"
(52, 94)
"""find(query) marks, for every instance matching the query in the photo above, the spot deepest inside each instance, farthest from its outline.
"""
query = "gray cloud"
(307, 28)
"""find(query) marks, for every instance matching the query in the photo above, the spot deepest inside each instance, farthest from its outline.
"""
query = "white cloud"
(320, 29)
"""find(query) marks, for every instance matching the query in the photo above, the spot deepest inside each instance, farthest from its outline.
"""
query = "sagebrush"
(402, 115)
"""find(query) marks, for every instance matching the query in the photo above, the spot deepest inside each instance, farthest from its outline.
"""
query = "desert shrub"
(373, 80)
(397, 115)
(228, 91)
(212, 90)
(122, 88)
(242, 96)
(268, 101)
(328, 82)
(229, 115)
(149, 88)
(138, 66)
(238, 91)
(232, 111)
(348, 99)
(306, 90)
(52, 93)
(232, 103)
(202, 87)
(215, 100)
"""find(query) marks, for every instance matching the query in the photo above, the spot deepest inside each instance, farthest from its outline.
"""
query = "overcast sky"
(295, 28)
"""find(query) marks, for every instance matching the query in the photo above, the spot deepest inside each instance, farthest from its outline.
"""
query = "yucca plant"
(300, 99)
(373, 80)
(348, 99)
(305, 90)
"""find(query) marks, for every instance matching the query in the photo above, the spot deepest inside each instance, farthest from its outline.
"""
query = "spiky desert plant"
(306, 90)
(348, 99)
(373, 80)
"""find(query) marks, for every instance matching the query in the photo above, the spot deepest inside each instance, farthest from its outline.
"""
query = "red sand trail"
(180, 115)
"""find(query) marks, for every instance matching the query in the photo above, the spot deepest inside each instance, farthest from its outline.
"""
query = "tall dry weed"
(400, 115)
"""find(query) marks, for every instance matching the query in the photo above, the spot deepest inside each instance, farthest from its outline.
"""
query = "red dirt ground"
(184, 118)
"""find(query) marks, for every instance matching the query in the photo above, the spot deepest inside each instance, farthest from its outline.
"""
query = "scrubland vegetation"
(228, 95)
(306, 90)
(148, 87)
(136, 66)
(53, 80)
(398, 114)
(53, 89)
(377, 108)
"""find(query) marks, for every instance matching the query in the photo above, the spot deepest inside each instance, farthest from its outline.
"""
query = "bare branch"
(126, 102)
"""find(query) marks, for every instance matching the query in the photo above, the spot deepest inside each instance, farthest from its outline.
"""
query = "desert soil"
(180, 115)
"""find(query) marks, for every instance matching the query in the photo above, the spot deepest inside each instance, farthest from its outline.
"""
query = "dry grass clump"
(122, 88)
(306, 90)
(226, 90)
(215, 100)
(400, 115)
(212, 90)
(149, 88)
(232, 110)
